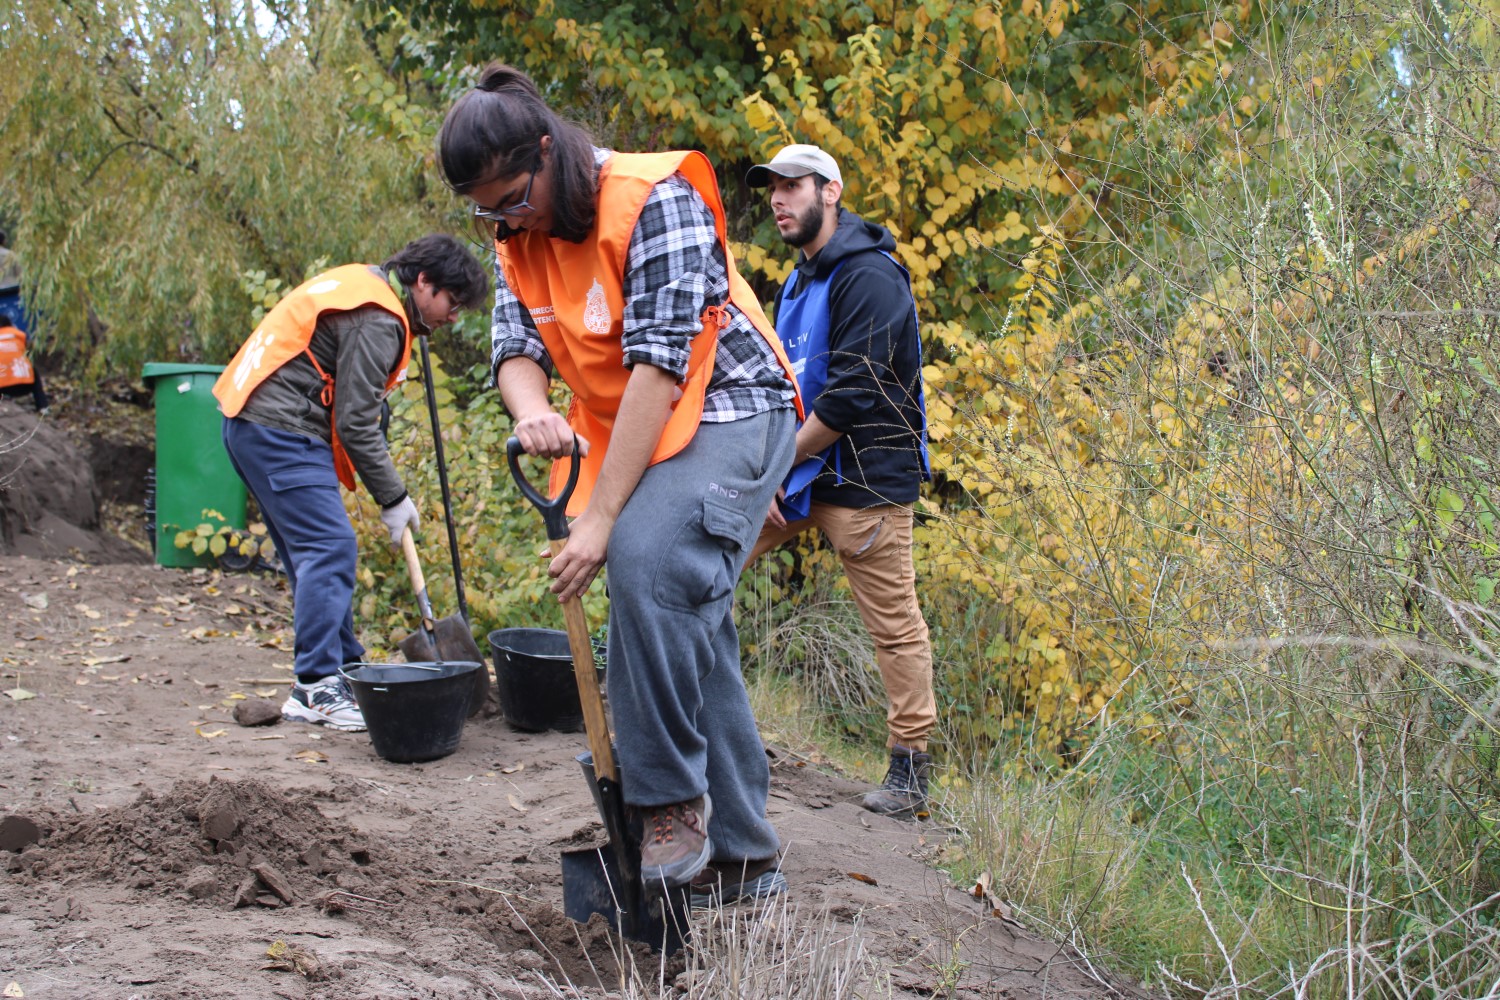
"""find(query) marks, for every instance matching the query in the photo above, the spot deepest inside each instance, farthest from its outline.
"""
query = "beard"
(808, 224)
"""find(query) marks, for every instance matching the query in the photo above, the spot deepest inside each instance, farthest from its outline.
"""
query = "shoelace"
(663, 825)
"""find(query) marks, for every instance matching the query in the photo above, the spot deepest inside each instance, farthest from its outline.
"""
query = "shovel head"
(592, 884)
(607, 879)
(450, 641)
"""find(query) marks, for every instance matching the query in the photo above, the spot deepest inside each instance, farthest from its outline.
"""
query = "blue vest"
(803, 324)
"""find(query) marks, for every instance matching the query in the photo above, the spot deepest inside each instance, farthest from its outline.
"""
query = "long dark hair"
(495, 131)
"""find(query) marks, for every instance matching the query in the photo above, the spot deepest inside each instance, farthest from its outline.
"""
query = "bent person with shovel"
(612, 269)
(302, 401)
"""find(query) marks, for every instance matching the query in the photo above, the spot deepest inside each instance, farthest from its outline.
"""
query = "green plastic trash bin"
(195, 482)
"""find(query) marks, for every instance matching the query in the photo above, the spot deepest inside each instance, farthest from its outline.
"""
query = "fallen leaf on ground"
(95, 661)
(513, 768)
(211, 735)
(291, 958)
(311, 756)
(515, 804)
(19, 694)
(37, 601)
(862, 877)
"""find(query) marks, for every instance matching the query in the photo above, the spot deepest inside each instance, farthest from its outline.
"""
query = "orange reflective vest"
(287, 331)
(15, 367)
(575, 294)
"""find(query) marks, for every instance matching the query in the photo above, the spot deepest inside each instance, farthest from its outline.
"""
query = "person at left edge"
(18, 374)
(302, 401)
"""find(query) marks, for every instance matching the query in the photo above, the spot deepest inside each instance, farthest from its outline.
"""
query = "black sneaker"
(903, 794)
(326, 702)
(722, 882)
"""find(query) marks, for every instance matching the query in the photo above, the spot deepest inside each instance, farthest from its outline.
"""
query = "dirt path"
(168, 831)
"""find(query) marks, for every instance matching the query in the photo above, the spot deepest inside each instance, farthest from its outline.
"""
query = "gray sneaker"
(722, 883)
(903, 794)
(327, 702)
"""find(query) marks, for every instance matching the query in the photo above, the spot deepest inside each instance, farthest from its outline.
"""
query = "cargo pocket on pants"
(696, 571)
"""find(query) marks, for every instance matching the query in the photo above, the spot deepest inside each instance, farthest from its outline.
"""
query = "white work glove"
(399, 517)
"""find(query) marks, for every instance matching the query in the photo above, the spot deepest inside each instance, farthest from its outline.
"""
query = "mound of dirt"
(49, 500)
(233, 844)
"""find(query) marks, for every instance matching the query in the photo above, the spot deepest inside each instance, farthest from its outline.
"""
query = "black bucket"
(535, 681)
(413, 711)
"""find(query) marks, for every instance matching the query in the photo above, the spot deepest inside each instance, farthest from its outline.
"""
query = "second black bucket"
(534, 678)
(414, 711)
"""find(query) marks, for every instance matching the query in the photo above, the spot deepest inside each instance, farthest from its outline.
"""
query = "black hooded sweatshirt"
(872, 395)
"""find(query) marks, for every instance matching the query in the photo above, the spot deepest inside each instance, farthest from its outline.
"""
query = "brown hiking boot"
(903, 794)
(674, 842)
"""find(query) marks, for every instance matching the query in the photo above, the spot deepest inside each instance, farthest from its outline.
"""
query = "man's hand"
(581, 558)
(547, 434)
(398, 517)
(774, 517)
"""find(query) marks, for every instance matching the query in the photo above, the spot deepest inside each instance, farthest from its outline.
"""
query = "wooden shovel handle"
(418, 581)
(595, 722)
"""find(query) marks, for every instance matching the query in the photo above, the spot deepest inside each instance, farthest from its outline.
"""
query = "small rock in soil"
(220, 824)
(245, 894)
(17, 833)
(201, 882)
(272, 878)
(257, 712)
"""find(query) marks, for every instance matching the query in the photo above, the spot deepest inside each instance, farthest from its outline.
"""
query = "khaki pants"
(874, 544)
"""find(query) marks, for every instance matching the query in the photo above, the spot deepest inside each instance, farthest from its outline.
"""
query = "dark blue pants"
(292, 479)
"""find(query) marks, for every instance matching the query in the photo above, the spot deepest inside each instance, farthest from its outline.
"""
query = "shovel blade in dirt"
(450, 641)
(592, 884)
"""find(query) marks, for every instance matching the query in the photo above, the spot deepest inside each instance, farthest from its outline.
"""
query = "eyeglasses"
(498, 215)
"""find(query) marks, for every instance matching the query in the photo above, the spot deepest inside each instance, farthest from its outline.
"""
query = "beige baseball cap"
(796, 160)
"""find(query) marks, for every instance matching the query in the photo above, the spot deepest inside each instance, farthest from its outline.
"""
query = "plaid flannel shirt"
(674, 268)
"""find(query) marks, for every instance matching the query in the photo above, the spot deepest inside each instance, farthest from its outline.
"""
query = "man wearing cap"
(849, 324)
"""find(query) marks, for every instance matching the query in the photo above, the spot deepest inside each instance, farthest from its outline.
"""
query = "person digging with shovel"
(612, 269)
(301, 402)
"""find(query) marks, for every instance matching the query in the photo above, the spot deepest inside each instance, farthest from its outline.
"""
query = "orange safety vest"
(575, 294)
(15, 367)
(287, 331)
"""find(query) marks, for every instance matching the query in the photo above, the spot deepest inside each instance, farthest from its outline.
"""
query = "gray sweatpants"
(682, 717)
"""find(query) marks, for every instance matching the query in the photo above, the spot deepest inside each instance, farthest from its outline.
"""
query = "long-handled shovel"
(595, 881)
(482, 675)
(444, 640)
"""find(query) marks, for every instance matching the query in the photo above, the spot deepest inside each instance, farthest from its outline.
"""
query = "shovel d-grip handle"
(554, 511)
(554, 515)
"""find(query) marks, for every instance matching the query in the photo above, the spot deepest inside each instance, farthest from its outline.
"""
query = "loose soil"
(152, 847)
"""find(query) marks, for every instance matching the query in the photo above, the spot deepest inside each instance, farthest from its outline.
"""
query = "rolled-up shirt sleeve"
(512, 332)
(674, 267)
